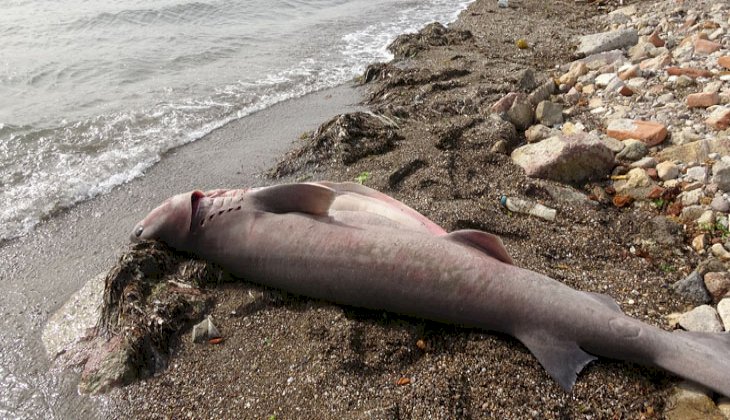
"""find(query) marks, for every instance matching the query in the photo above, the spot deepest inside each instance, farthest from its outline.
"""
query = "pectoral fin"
(287, 198)
(562, 359)
(605, 300)
(483, 242)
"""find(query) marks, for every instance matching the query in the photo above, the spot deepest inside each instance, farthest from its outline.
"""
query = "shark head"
(171, 221)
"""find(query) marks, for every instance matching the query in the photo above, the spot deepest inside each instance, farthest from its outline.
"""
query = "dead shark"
(285, 237)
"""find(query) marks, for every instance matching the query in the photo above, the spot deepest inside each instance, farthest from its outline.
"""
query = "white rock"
(703, 318)
(697, 173)
(667, 170)
(720, 252)
(690, 198)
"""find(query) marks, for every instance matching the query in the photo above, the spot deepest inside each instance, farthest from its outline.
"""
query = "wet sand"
(40, 271)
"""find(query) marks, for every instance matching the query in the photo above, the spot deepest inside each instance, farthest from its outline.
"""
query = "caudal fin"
(703, 358)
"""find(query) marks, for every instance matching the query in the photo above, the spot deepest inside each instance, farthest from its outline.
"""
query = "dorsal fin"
(483, 242)
(287, 198)
(562, 359)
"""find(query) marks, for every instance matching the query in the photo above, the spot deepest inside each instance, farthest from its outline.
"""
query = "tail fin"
(703, 358)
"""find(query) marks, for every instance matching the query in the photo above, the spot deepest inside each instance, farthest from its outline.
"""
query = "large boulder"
(566, 158)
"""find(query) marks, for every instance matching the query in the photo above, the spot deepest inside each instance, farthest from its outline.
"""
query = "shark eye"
(138, 230)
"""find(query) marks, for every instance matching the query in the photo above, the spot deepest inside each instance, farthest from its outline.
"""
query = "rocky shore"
(605, 166)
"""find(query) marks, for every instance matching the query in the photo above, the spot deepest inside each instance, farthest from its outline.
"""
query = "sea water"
(93, 93)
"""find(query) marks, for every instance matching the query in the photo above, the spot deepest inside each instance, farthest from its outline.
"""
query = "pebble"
(667, 170)
(721, 174)
(720, 252)
(651, 133)
(720, 204)
(703, 318)
(718, 284)
(632, 150)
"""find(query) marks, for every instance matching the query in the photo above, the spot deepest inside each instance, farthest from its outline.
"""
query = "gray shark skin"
(288, 237)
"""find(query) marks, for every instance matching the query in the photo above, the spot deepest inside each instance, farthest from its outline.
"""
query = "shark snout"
(136, 235)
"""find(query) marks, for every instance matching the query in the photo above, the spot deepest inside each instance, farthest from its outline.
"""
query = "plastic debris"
(519, 205)
(205, 330)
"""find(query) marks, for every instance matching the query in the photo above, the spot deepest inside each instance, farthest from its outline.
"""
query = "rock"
(615, 145)
(721, 174)
(700, 242)
(703, 318)
(542, 93)
(689, 72)
(500, 146)
(521, 113)
(657, 63)
(703, 46)
(629, 72)
(577, 69)
(647, 163)
(638, 184)
(651, 133)
(603, 80)
(721, 204)
(503, 105)
(702, 100)
(724, 61)
(693, 288)
(692, 213)
(549, 113)
(689, 198)
(655, 39)
(723, 309)
(667, 170)
(662, 230)
(606, 41)
(526, 80)
(720, 252)
(707, 218)
(565, 158)
(691, 402)
(538, 132)
(719, 119)
(633, 150)
(697, 173)
(718, 284)
(697, 151)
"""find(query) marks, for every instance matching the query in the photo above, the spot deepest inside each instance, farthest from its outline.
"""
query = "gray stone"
(565, 158)
(526, 80)
(697, 151)
(595, 61)
(693, 288)
(721, 174)
(721, 204)
(606, 41)
(549, 113)
(633, 150)
(667, 170)
(697, 173)
(538, 132)
(723, 309)
(692, 213)
(603, 80)
(645, 162)
(703, 318)
(690, 198)
(615, 145)
(542, 93)
(521, 113)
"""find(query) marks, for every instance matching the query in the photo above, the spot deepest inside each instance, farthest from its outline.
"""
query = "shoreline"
(40, 271)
